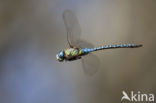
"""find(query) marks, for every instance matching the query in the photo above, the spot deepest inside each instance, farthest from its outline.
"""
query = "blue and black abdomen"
(88, 50)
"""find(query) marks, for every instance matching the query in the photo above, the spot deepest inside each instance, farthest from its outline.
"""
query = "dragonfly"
(78, 49)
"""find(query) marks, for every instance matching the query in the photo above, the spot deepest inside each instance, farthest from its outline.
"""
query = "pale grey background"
(32, 32)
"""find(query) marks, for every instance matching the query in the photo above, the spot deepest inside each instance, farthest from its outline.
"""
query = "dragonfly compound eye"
(60, 56)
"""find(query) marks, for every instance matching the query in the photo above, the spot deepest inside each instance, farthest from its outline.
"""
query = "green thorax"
(72, 52)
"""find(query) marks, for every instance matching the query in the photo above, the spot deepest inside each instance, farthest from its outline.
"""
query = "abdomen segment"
(88, 50)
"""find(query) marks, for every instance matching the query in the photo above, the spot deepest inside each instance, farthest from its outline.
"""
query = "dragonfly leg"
(75, 58)
(78, 57)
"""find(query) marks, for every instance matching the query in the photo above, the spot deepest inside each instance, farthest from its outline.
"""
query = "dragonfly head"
(60, 56)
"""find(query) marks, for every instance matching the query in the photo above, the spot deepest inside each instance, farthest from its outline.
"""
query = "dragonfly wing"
(72, 27)
(84, 44)
(90, 64)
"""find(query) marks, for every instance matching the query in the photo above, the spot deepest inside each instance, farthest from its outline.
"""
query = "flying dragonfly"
(78, 48)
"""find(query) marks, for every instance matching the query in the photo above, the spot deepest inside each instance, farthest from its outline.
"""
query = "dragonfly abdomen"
(88, 50)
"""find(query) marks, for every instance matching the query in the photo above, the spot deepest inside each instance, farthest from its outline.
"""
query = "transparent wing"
(72, 27)
(90, 62)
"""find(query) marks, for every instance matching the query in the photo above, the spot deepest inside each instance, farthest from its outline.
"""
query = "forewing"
(72, 27)
(90, 62)
(84, 44)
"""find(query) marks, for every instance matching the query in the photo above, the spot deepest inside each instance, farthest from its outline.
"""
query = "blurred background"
(32, 32)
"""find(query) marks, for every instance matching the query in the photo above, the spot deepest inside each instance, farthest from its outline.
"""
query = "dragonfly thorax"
(69, 54)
